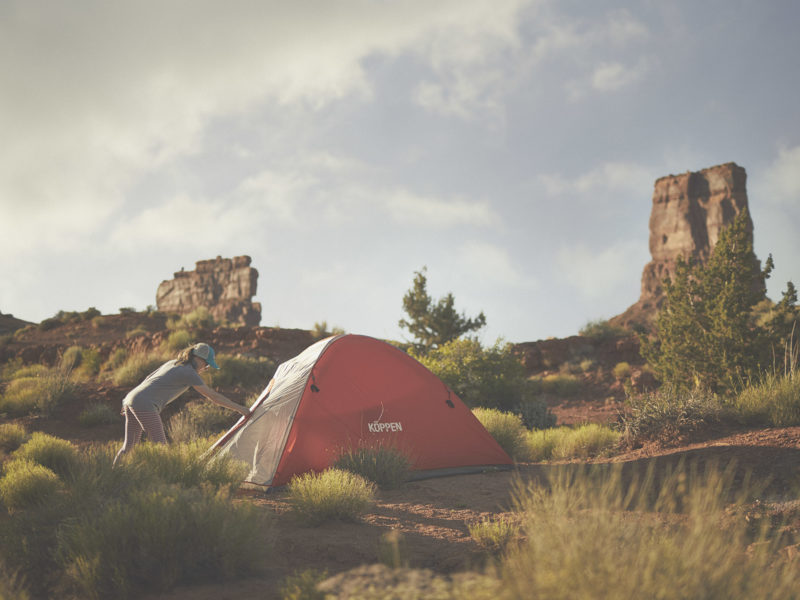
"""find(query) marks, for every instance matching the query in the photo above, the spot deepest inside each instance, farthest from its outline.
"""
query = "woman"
(144, 403)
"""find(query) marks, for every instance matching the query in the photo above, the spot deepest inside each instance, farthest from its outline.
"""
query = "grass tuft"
(385, 466)
(52, 452)
(494, 535)
(135, 368)
(26, 483)
(97, 414)
(506, 428)
(331, 494)
(564, 443)
(12, 436)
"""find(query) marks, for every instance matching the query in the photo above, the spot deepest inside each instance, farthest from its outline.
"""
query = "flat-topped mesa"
(688, 213)
(225, 286)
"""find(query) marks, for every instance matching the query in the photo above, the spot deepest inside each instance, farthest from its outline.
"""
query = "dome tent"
(353, 391)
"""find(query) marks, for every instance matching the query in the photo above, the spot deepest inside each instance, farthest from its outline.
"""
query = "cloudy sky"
(508, 145)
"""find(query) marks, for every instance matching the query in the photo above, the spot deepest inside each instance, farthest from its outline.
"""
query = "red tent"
(352, 391)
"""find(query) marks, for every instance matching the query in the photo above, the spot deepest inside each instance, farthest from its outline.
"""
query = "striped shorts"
(138, 422)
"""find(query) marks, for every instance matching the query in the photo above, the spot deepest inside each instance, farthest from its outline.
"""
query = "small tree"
(434, 323)
(707, 337)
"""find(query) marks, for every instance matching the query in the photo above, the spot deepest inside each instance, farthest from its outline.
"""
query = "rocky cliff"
(225, 286)
(689, 210)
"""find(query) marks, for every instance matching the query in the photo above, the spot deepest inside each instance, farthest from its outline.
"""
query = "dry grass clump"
(49, 451)
(386, 466)
(12, 436)
(563, 443)
(25, 483)
(494, 535)
(36, 389)
(594, 533)
(331, 494)
(135, 368)
(774, 400)
(506, 428)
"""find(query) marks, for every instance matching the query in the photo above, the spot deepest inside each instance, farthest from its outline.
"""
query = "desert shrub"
(563, 443)
(26, 483)
(136, 332)
(82, 362)
(493, 535)
(157, 538)
(136, 367)
(302, 585)
(506, 428)
(186, 464)
(492, 377)
(11, 586)
(50, 324)
(244, 372)
(12, 436)
(386, 466)
(774, 400)
(622, 370)
(40, 393)
(601, 330)
(177, 341)
(331, 494)
(582, 524)
(200, 420)
(562, 385)
(115, 360)
(587, 364)
(667, 414)
(52, 452)
(535, 414)
(199, 318)
(16, 370)
(97, 414)
(320, 331)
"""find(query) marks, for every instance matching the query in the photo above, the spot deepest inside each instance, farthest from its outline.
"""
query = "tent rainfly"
(353, 391)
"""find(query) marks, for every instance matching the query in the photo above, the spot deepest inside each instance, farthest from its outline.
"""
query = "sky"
(509, 147)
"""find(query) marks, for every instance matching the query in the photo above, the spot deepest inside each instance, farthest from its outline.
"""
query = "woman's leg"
(133, 433)
(151, 424)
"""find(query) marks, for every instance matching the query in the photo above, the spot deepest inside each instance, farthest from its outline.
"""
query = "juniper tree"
(433, 323)
(706, 336)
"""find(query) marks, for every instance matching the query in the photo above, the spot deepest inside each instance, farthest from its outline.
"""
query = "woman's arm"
(218, 398)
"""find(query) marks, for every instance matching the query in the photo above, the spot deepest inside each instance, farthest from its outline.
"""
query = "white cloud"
(491, 264)
(780, 183)
(610, 77)
(596, 274)
(409, 208)
(610, 176)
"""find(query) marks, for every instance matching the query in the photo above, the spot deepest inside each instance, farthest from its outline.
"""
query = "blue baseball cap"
(205, 352)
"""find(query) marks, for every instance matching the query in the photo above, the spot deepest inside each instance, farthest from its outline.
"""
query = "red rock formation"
(689, 210)
(224, 286)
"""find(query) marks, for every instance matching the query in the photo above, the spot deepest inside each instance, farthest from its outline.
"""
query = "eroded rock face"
(225, 286)
(689, 211)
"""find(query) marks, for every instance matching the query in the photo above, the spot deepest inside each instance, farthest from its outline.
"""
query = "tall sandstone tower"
(688, 213)
(225, 286)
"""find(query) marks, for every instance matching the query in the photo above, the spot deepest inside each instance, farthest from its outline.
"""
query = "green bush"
(494, 535)
(622, 370)
(302, 585)
(26, 483)
(12, 436)
(40, 393)
(186, 464)
(774, 400)
(667, 414)
(82, 362)
(386, 466)
(97, 414)
(492, 377)
(535, 414)
(52, 452)
(506, 428)
(562, 385)
(200, 420)
(582, 524)
(177, 341)
(199, 318)
(115, 360)
(601, 330)
(564, 443)
(136, 367)
(331, 494)
(50, 324)
(243, 372)
(160, 537)
(11, 587)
